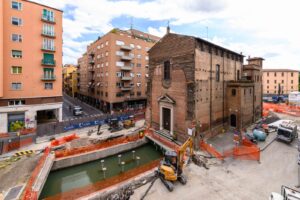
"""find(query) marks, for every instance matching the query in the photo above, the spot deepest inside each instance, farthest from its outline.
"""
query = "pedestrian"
(298, 185)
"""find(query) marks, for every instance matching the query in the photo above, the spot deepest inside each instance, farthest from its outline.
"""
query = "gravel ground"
(18, 172)
(235, 179)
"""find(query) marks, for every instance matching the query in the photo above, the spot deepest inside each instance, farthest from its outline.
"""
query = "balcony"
(126, 78)
(48, 34)
(126, 68)
(126, 48)
(48, 62)
(126, 88)
(48, 19)
(126, 58)
(48, 78)
(48, 48)
(92, 61)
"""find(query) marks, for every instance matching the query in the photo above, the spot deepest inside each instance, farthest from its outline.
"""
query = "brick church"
(195, 81)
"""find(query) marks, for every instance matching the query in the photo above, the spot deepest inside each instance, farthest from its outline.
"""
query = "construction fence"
(246, 150)
(281, 108)
(29, 193)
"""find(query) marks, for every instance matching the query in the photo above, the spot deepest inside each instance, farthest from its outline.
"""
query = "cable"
(150, 186)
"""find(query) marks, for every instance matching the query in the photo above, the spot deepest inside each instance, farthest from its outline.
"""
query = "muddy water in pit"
(88, 173)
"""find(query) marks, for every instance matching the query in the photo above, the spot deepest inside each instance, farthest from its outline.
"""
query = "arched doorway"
(233, 120)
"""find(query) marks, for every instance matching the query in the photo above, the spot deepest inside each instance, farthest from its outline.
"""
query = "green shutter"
(48, 56)
(48, 70)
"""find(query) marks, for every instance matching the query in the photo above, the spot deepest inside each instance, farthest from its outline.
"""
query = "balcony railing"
(48, 34)
(126, 48)
(126, 88)
(48, 62)
(126, 78)
(48, 48)
(126, 68)
(126, 58)
(49, 19)
(48, 77)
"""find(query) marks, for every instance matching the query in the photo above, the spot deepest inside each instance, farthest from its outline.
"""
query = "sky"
(257, 28)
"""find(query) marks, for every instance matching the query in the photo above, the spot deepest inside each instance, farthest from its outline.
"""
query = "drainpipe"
(210, 88)
(223, 90)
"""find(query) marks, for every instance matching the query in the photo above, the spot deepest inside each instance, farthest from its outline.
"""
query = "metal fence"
(50, 129)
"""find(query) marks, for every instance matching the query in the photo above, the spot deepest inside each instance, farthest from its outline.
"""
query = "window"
(16, 5)
(106, 74)
(48, 15)
(17, 102)
(138, 47)
(16, 38)
(16, 70)
(106, 94)
(98, 47)
(233, 92)
(147, 48)
(238, 75)
(139, 56)
(16, 54)
(106, 43)
(292, 74)
(132, 46)
(267, 81)
(48, 44)
(131, 55)
(292, 81)
(138, 93)
(146, 57)
(48, 30)
(217, 73)
(119, 53)
(267, 87)
(167, 70)
(267, 73)
(48, 73)
(106, 53)
(275, 74)
(48, 59)
(131, 74)
(282, 74)
(48, 86)
(275, 81)
(16, 21)
(292, 87)
(106, 64)
(138, 74)
(138, 64)
(119, 43)
(250, 90)
(119, 74)
(16, 86)
(138, 84)
(282, 81)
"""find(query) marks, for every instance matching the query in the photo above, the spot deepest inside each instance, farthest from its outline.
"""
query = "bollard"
(104, 170)
(122, 166)
(133, 156)
(119, 157)
(138, 160)
(102, 164)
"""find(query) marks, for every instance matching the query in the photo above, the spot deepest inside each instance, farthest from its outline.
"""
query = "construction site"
(128, 160)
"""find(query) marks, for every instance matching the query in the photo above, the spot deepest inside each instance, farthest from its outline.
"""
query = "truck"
(287, 132)
(286, 194)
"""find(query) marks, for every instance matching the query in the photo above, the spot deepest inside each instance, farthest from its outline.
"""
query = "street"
(68, 113)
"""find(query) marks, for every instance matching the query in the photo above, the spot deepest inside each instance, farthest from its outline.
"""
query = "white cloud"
(267, 28)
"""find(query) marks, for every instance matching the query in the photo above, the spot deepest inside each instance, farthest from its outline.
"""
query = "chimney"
(168, 28)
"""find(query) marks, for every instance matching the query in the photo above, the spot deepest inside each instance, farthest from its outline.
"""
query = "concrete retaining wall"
(95, 155)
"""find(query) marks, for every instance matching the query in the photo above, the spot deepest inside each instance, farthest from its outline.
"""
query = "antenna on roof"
(207, 32)
(168, 27)
(131, 23)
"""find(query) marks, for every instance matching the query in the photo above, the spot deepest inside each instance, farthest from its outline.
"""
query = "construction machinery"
(287, 132)
(114, 125)
(286, 194)
(129, 123)
(171, 167)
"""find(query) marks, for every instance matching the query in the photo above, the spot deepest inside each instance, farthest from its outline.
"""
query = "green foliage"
(16, 126)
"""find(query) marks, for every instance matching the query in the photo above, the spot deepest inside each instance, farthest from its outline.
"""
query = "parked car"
(77, 111)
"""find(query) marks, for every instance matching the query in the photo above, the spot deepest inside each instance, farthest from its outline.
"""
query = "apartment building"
(70, 80)
(30, 64)
(280, 81)
(193, 81)
(114, 70)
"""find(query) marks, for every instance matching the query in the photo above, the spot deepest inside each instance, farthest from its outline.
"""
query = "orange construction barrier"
(211, 150)
(29, 194)
(64, 140)
(101, 145)
(281, 108)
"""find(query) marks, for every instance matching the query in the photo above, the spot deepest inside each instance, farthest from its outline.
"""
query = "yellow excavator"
(171, 167)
